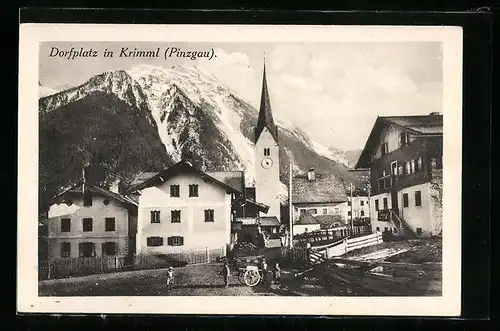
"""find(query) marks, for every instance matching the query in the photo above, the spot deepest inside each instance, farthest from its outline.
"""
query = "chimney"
(311, 175)
(115, 186)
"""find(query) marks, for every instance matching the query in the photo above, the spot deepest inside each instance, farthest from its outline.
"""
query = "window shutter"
(170, 241)
(103, 251)
(93, 249)
(181, 241)
(80, 249)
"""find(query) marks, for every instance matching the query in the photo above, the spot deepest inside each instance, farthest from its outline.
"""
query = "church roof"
(265, 119)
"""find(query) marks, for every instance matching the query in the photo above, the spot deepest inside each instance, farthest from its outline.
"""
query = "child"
(170, 277)
(225, 273)
(277, 273)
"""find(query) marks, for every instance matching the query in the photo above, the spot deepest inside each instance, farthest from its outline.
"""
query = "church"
(253, 223)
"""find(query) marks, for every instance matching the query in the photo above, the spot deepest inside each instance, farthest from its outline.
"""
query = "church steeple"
(265, 115)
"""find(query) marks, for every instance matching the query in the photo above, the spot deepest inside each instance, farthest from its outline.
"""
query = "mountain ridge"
(195, 117)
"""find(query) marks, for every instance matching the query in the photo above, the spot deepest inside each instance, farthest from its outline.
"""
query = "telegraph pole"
(350, 189)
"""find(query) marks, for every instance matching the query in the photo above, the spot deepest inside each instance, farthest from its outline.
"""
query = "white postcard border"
(27, 270)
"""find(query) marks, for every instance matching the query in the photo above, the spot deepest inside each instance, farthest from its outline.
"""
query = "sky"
(332, 91)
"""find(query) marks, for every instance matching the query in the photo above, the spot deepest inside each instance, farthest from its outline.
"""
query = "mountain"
(175, 113)
(44, 91)
(352, 157)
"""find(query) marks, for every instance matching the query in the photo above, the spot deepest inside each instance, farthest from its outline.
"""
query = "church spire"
(265, 114)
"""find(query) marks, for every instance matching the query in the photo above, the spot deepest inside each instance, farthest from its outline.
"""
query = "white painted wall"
(197, 233)
(267, 181)
(417, 216)
(98, 212)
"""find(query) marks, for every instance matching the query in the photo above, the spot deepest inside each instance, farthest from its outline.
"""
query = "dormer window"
(404, 138)
(384, 148)
(87, 199)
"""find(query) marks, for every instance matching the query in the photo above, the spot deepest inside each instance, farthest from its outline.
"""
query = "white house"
(183, 208)
(88, 221)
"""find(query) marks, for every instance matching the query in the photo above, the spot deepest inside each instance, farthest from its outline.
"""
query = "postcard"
(240, 169)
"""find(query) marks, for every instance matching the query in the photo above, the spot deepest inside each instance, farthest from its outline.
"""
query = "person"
(225, 273)
(170, 276)
(264, 270)
(277, 273)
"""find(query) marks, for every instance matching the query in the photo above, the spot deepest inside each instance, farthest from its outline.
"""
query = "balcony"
(385, 215)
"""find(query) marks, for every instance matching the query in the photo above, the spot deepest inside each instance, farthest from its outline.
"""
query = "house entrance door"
(394, 202)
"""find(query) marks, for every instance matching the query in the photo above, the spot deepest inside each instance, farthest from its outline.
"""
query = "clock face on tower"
(267, 163)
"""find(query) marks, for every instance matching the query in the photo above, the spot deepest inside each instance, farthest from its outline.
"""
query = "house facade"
(320, 195)
(404, 154)
(90, 221)
(183, 208)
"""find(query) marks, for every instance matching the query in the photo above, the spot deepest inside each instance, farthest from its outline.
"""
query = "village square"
(185, 230)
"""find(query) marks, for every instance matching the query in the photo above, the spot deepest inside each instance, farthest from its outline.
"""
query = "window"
(362, 203)
(267, 152)
(418, 198)
(176, 216)
(87, 199)
(175, 241)
(419, 163)
(87, 224)
(105, 202)
(362, 213)
(110, 224)
(154, 241)
(376, 205)
(405, 138)
(394, 168)
(109, 249)
(408, 168)
(314, 211)
(384, 149)
(155, 216)
(65, 250)
(86, 249)
(209, 215)
(325, 211)
(174, 191)
(337, 210)
(65, 225)
(193, 190)
(349, 213)
(378, 229)
(413, 166)
(386, 229)
(419, 231)
(385, 204)
(405, 200)
(400, 170)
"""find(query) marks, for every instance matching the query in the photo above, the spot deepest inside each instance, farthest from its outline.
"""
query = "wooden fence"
(350, 244)
(81, 266)
(322, 237)
(66, 267)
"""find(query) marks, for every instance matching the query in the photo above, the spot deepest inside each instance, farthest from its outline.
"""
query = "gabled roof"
(306, 219)
(187, 167)
(325, 188)
(265, 119)
(234, 179)
(420, 125)
(328, 221)
(78, 188)
(268, 221)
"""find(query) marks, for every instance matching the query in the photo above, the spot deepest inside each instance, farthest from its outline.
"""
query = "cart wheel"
(251, 277)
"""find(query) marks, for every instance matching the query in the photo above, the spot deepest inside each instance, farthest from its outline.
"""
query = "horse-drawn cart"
(249, 272)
